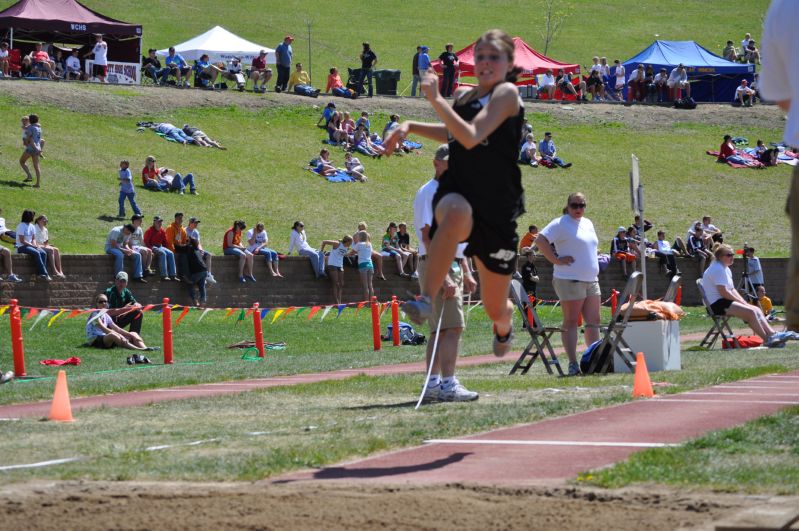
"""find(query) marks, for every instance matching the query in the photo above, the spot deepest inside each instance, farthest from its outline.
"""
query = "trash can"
(386, 81)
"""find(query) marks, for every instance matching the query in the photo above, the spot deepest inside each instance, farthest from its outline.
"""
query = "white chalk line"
(700, 400)
(551, 443)
(9, 420)
(193, 443)
(42, 463)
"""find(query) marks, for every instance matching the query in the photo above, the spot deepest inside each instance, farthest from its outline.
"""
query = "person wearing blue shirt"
(283, 55)
(126, 190)
(548, 152)
(178, 67)
(424, 62)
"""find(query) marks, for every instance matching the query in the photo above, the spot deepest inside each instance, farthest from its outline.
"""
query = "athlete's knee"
(454, 208)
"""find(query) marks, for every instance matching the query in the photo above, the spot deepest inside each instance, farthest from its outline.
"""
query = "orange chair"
(15, 62)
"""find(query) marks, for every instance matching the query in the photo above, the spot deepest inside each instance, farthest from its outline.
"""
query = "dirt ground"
(148, 101)
(262, 505)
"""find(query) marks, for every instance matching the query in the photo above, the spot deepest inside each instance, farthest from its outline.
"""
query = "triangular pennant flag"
(42, 315)
(383, 306)
(249, 312)
(278, 313)
(300, 310)
(314, 311)
(289, 310)
(29, 313)
(229, 311)
(341, 308)
(264, 312)
(324, 313)
(53, 318)
(73, 313)
(358, 308)
(205, 312)
(240, 318)
(148, 307)
(3, 310)
(182, 315)
(96, 316)
(176, 306)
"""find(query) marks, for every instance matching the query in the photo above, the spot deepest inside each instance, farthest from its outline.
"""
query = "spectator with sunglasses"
(101, 332)
(575, 273)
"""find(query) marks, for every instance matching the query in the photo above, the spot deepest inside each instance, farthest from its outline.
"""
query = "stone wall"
(88, 274)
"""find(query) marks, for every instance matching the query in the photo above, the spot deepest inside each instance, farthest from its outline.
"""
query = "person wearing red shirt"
(150, 177)
(259, 72)
(336, 87)
(727, 149)
(155, 239)
(41, 60)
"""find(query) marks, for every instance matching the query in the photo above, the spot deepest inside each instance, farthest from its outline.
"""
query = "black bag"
(685, 103)
(593, 352)
(408, 336)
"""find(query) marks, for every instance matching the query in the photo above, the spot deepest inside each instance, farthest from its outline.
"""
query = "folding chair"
(612, 334)
(671, 291)
(721, 324)
(540, 343)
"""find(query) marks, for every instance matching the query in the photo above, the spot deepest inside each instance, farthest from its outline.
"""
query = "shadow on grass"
(412, 403)
(15, 184)
(342, 472)
(105, 217)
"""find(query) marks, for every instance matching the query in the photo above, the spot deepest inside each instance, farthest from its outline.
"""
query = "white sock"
(435, 381)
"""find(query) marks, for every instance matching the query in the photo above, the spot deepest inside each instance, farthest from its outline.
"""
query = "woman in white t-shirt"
(26, 244)
(258, 241)
(298, 240)
(335, 263)
(43, 239)
(574, 273)
(724, 299)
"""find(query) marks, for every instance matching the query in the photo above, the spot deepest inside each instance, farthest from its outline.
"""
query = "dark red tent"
(68, 21)
(530, 61)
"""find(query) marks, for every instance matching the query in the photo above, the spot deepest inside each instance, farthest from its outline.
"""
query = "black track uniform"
(490, 180)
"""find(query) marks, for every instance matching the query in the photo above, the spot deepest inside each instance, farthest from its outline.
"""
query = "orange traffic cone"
(642, 387)
(61, 410)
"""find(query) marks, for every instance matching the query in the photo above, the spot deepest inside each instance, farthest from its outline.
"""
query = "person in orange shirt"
(526, 243)
(336, 87)
(177, 241)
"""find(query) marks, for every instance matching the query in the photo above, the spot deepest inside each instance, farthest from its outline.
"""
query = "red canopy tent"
(530, 61)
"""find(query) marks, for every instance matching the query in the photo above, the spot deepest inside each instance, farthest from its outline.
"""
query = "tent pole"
(310, 67)
(11, 38)
(138, 70)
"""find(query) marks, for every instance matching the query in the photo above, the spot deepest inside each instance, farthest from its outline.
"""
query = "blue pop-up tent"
(712, 78)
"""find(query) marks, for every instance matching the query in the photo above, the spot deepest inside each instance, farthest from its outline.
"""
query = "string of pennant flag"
(54, 314)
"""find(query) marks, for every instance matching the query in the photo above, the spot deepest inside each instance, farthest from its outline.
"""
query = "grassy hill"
(261, 178)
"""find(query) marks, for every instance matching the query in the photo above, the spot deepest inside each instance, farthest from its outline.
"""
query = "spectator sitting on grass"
(150, 177)
(53, 254)
(123, 308)
(200, 138)
(324, 167)
(327, 114)
(258, 241)
(102, 332)
(193, 234)
(232, 246)
(155, 239)
(363, 144)
(548, 152)
(528, 154)
(744, 95)
(336, 87)
(300, 81)
(354, 167)
(260, 72)
(364, 119)
(335, 133)
(729, 52)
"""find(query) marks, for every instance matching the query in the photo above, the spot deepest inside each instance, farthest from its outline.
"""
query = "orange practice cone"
(61, 410)
(642, 388)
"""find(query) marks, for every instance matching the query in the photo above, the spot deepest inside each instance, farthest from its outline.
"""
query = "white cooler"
(658, 340)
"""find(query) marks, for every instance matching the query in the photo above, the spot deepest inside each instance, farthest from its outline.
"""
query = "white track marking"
(42, 463)
(700, 400)
(166, 446)
(551, 443)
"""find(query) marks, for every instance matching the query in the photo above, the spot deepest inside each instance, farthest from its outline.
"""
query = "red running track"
(559, 449)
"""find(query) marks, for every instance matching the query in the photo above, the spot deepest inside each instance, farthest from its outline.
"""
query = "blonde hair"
(722, 248)
(362, 236)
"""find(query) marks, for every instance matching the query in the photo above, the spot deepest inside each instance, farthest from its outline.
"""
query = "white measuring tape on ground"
(193, 443)
(42, 463)
(551, 443)
(432, 358)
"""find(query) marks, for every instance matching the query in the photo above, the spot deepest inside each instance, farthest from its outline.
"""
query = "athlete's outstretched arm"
(437, 132)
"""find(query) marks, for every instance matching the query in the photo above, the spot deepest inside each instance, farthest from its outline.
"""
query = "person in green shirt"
(122, 305)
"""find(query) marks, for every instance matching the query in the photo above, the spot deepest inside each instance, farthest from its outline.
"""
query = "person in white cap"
(260, 72)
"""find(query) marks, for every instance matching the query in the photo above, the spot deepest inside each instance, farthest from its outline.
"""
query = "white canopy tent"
(220, 45)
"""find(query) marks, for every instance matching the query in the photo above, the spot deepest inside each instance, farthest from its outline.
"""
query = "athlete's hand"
(430, 85)
(395, 138)
(565, 260)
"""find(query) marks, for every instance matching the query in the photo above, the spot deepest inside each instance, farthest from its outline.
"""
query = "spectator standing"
(548, 152)
(300, 81)
(284, 55)
(115, 246)
(123, 308)
(32, 140)
(377, 258)
(448, 300)
(424, 61)
(260, 72)
(368, 62)
(299, 240)
(232, 246)
(574, 274)
(126, 190)
(366, 269)
(619, 75)
(155, 239)
(335, 264)
(100, 52)
(194, 234)
(72, 67)
(415, 70)
(449, 61)
(42, 236)
(258, 241)
(754, 268)
(177, 66)
(26, 244)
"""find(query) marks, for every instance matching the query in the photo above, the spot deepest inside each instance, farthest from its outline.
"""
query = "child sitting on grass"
(366, 269)
(324, 167)
(354, 167)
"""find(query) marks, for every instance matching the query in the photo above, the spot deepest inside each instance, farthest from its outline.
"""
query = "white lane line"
(747, 387)
(739, 394)
(549, 443)
(700, 400)
(8, 420)
(42, 463)
(193, 443)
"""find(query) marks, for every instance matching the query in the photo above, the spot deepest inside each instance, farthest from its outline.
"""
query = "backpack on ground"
(408, 336)
(592, 352)
(685, 103)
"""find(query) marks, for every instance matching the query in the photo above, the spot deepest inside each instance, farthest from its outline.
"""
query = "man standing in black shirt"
(448, 61)
(368, 61)
(415, 68)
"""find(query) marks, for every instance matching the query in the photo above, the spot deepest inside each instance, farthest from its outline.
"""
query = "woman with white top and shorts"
(299, 241)
(574, 273)
(335, 263)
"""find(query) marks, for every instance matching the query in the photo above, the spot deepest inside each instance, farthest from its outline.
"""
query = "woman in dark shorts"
(101, 332)
(480, 197)
(724, 299)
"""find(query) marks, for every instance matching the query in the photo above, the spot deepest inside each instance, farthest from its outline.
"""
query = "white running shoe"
(457, 393)
(210, 279)
(432, 394)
